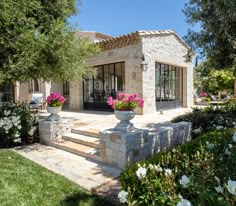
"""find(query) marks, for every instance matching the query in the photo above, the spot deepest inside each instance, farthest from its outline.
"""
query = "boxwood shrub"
(210, 118)
(200, 172)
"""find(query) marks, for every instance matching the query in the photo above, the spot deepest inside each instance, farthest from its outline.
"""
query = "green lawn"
(24, 183)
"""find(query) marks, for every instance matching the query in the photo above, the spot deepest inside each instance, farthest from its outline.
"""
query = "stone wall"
(167, 49)
(133, 73)
(121, 148)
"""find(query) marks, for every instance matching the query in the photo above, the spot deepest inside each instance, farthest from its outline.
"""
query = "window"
(168, 84)
(34, 86)
(66, 88)
(110, 80)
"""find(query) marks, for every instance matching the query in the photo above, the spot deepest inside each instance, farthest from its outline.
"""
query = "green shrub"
(209, 119)
(203, 165)
(17, 125)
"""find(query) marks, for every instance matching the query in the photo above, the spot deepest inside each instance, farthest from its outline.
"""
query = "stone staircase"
(81, 141)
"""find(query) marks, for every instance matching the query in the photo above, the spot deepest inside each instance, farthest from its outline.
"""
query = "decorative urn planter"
(124, 117)
(54, 116)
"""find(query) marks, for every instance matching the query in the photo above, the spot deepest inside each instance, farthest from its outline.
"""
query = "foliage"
(216, 37)
(37, 42)
(213, 80)
(17, 125)
(210, 118)
(197, 170)
(126, 102)
(24, 182)
(55, 99)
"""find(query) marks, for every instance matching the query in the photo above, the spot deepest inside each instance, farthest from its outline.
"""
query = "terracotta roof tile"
(133, 38)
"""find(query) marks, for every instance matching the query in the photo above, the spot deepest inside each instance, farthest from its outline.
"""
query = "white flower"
(17, 135)
(217, 179)
(168, 172)
(158, 168)
(198, 130)
(227, 152)
(219, 127)
(209, 145)
(18, 140)
(184, 202)
(122, 195)
(31, 132)
(230, 145)
(219, 189)
(184, 181)
(234, 137)
(6, 113)
(231, 187)
(141, 172)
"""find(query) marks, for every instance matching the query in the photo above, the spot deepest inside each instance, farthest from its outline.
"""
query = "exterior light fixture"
(143, 64)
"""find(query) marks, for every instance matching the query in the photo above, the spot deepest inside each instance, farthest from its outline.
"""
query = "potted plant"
(55, 102)
(124, 107)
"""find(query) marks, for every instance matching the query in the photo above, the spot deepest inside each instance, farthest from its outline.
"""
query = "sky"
(118, 17)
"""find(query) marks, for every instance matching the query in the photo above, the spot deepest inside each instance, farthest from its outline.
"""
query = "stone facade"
(119, 148)
(157, 46)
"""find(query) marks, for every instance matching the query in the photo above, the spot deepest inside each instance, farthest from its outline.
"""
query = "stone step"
(86, 131)
(78, 149)
(82, 139)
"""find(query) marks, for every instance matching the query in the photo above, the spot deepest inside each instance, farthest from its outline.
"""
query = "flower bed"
(17, 125)
(200, 172)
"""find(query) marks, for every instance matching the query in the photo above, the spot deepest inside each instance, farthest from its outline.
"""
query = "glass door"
(110, 80)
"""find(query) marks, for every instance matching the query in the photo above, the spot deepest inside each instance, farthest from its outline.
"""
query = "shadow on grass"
(83, 199)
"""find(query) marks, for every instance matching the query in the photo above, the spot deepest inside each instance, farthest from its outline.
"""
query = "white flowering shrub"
(17, 125)
(199, 172)
(210, 119)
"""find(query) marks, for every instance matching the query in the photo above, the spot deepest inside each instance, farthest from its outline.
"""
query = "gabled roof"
(134, 37)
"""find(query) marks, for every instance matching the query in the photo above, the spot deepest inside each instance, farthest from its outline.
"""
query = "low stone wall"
(50, 131)
(118, 148)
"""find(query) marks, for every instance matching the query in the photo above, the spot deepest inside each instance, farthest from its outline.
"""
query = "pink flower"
(55, 99)
(126, 102)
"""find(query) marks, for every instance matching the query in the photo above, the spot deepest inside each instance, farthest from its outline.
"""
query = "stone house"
(155, 64)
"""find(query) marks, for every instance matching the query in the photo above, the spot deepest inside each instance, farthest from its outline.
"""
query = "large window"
(66, 88)
(168, 82)
(6, 92)
(110, 80)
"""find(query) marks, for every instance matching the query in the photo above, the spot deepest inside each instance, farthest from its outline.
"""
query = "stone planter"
(54, 116)
(124, 117)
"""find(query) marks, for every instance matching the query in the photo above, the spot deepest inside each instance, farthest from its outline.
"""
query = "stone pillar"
(50, 131)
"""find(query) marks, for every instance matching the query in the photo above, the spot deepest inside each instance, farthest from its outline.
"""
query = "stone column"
(50, 131)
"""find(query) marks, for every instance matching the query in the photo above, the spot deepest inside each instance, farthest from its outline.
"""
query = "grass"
(25, 183)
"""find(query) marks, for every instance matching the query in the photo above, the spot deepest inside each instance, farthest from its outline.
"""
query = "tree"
(216, 39)
(213, 80)
(36, 41)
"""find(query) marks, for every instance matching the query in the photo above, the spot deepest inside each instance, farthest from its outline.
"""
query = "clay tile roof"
(133, 38)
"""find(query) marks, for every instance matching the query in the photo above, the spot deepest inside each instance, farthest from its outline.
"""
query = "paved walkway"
(91, 175)
(104, 120)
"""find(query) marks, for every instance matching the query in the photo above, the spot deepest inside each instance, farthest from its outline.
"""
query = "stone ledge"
(119, 148)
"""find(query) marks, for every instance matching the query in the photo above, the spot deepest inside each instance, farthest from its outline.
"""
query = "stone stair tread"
(81, 139)
(79, 149)
(86, 131)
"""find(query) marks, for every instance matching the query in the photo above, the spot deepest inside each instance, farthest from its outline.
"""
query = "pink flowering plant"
(55, 99)
(126, 102)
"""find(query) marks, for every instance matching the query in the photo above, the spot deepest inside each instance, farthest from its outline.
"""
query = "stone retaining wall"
(118, 148)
